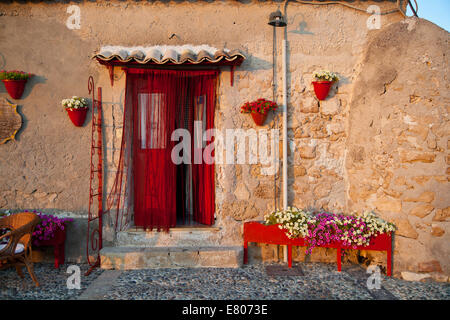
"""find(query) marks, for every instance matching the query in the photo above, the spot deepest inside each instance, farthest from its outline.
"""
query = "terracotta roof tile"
(186, 54)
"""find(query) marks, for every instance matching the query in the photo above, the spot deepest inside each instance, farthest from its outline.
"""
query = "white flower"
(74, 102)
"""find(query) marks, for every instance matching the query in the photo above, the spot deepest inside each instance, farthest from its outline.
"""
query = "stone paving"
(320, 281)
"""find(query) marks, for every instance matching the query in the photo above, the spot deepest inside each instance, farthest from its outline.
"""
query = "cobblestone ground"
(320, 281)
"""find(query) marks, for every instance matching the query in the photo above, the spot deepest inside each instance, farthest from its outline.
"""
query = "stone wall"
(398, 140)
(335, 161)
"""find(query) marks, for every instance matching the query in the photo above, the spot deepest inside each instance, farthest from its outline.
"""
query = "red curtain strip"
(148, 182)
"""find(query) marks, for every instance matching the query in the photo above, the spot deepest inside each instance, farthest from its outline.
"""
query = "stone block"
(242, 192)
(330, 107)
(405, 229)
(307, 151)
(224, 257)
(430, 266)
(412, 276)
(442, 214)
(437, 231)
(322, 190)
(410, 156)
(422, 210)
(427, 196)
(309, 105)
(388, 205)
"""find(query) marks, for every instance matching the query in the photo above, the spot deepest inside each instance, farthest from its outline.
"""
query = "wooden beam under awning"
(110, 64)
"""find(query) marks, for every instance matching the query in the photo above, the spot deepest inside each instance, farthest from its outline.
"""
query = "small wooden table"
(58, 244)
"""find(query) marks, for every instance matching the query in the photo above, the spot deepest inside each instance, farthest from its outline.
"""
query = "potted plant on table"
(14, 82)
(259, 109)
(323, 228)
(322, 84)
(76, 108)
(51, 231)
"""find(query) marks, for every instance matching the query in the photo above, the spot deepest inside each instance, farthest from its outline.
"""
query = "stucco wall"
(47, 167)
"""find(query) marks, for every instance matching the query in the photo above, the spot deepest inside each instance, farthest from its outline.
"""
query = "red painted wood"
(259, 232)
(58, 244)
(95, 223)
(232, 75)
(339, 259)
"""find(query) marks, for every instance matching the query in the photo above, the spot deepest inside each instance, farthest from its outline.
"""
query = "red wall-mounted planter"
(259, 118)
(15, 88)
(322, 88)
(77, 116)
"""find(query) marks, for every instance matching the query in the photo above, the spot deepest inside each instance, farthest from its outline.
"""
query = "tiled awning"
(169, 55)
(185, 55)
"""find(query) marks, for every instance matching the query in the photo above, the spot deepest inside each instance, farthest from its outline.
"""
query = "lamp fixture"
(276, 19)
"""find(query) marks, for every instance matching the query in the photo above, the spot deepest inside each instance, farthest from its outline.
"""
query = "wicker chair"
(17, 251)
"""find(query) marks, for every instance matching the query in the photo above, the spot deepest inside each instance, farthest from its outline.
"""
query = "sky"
(437, 11)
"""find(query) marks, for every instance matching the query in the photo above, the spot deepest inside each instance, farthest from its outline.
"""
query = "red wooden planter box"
(58, 243)
(259, 232)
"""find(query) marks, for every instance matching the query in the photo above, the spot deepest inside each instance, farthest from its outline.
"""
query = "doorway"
(166, 193)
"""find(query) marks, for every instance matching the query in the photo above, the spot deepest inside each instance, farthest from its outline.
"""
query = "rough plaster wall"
(48, 166)
(398, 140)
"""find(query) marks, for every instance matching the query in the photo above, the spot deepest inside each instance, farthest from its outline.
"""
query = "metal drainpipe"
(285, 124)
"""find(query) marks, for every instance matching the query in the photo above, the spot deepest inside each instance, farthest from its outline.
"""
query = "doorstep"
(131, 258)
(197, 236)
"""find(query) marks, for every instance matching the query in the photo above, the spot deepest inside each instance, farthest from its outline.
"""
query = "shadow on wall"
(253, 63)
(31, 83)
(302, 27)
(335, 87)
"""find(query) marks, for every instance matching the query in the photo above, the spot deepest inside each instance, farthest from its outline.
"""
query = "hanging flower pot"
(77, 116)
(323, 83)
(15, 87)
(77, 109)
(322, 88)
(259, 118)
(14, 82)
(259, 110)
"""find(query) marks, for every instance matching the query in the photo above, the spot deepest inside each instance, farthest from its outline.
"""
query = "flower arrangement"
(74, 103)
(14, 75)
(325, 75)
(48, 226)
(261, 106)
(324, 228)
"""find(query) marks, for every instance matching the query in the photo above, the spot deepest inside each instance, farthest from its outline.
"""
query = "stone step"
(180, 236)
(130, 258)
